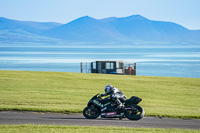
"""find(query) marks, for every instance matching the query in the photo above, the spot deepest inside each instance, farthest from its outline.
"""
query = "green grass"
(70, 92)
(85, 129)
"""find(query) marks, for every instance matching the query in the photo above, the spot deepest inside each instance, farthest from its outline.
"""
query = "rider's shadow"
(62, 118)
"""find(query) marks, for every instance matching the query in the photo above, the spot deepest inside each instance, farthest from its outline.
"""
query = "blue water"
(170, 62)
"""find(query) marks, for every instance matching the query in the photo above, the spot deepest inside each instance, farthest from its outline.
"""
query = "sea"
(167, 62)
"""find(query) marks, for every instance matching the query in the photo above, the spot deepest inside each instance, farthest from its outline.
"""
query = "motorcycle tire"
(136, 113)
(91, 113)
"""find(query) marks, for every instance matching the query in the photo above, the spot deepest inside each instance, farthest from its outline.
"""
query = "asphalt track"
(7, 117)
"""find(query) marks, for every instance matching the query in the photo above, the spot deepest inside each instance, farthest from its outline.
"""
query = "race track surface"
(7, 117)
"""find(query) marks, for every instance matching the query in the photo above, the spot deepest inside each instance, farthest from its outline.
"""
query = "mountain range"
(133, 29)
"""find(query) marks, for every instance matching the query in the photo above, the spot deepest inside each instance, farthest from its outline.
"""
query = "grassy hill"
(70, 92)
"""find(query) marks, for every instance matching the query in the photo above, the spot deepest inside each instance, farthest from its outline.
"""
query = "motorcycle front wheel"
(91, 112)
(136, 113)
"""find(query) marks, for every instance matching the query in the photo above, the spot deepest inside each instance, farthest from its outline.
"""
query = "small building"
(111, 67)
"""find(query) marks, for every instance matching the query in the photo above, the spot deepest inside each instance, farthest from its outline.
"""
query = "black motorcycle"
(107, 108)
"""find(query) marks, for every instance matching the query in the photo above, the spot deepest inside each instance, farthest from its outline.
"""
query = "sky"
(183, 12)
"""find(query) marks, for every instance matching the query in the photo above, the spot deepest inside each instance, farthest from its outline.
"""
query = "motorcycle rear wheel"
(91, 112)
(136, 113)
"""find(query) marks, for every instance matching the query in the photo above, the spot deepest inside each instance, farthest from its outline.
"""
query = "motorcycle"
(108, 108)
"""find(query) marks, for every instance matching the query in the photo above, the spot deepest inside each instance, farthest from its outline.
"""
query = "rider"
(116, 95)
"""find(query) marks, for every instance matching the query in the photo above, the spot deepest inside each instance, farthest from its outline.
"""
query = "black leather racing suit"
(116, 95)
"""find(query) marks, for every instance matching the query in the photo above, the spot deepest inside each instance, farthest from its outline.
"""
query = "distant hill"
(85, 29)
(14, 31)
(28, 26)
(133, 29)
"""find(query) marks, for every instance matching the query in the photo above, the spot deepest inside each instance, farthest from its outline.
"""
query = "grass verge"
(84, 129)
(69, 92)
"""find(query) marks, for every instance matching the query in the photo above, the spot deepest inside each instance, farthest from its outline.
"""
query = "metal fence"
(128, 68)
(85, 67)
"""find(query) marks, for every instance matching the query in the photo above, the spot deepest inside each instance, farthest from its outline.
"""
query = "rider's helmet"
(108, 88)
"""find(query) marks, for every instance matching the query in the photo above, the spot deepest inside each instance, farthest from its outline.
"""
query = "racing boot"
(120, 105)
